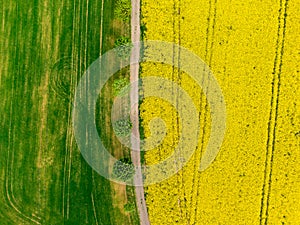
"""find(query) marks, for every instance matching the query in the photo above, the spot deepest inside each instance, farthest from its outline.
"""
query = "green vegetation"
(124, 46)
(121, 86)
(123, 10)
(129, 207)
(122, 40)
(123, 169)
(44, 179)
(122, 127)
(132, 201)
(107, 134)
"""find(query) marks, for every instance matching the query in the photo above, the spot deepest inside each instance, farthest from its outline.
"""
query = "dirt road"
(134, 76)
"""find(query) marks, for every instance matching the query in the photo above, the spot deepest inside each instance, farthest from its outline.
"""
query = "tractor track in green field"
(11, 201)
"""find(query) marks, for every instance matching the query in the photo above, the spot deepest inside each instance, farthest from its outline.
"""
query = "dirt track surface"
(134, 76)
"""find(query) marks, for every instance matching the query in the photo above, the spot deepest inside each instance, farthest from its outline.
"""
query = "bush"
(122, 127)
(123, 169)
(124, 46)
(122, 40)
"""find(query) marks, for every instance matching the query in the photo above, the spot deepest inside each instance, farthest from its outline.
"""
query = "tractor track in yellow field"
(210, 32)
(176, 11)
(180, 186)
(272, 123)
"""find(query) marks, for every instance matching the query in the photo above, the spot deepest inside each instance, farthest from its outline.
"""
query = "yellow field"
(253, 49)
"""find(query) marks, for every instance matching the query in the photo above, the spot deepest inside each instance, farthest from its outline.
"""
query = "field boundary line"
(100, 53)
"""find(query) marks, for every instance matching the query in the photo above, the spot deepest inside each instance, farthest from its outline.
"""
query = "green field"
(45, 48)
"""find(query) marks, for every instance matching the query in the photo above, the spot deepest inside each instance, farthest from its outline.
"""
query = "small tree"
(122, 40)
(122, 127)
(123, 169)
(123, 45)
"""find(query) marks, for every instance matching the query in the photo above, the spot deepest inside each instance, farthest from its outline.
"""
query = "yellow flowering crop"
(252, 48)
